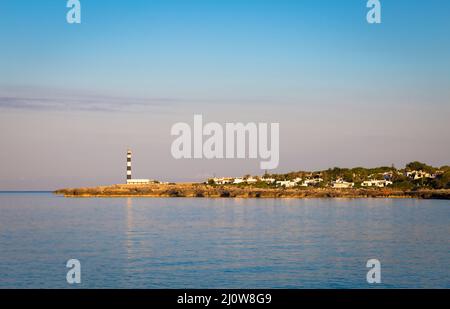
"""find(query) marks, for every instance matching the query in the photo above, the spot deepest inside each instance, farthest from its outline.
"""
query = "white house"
(311, 182)
(238, 180)
(223, 180)
(290, 183)
(139, 181)
(286, 183)
(341, 184)
(376, 183)
(419, 175)
(268, 180)
(251, 180)
(234, 180)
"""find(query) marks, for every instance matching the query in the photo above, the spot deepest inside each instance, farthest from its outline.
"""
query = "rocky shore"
(194, 190)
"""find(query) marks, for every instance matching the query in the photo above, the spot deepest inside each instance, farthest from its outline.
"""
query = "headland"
(196, 190)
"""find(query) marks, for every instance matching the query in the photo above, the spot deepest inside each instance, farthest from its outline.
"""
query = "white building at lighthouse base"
(139, 181)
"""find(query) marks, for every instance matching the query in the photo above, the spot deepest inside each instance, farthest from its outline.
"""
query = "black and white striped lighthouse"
(128, 165)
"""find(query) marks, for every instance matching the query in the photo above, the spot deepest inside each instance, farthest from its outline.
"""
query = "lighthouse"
(128, 165)
(130, 180)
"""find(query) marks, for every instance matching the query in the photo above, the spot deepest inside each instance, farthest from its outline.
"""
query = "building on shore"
(128, 165)
(342, 184)
(286, 183)
(223, 180)
(238, 180)
(312, 182)
(415, 175)
(268, 180)
(376, 183)
(130, 180)
(233, 180)
(251, 180)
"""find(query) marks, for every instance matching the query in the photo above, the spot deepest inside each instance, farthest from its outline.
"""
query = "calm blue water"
(222, 243)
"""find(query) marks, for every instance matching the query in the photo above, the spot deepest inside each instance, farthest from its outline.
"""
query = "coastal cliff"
(195, 190)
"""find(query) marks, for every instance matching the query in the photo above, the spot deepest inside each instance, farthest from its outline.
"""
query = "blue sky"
(209, 49)
(166, 60)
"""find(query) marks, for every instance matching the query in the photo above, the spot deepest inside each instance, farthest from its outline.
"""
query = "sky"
(74, 97)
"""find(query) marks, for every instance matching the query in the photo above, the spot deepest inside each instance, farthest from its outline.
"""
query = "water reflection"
(130, 227)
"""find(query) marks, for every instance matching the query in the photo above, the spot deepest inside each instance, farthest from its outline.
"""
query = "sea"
(157, 243)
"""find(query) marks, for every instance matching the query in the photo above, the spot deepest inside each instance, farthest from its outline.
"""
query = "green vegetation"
(419, 166)
(414, 176)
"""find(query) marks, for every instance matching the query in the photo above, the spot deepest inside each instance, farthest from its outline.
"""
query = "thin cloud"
(83, 103)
